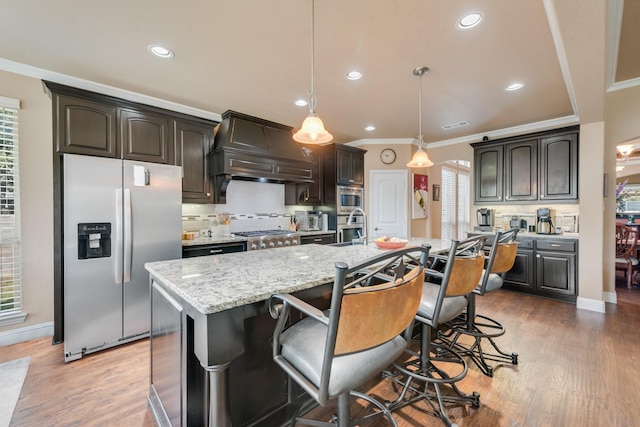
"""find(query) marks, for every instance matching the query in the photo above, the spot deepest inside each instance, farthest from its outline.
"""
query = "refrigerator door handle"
(118, 251)
(128, 240)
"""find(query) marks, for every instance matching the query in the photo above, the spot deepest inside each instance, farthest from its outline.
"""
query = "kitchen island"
(210, 331)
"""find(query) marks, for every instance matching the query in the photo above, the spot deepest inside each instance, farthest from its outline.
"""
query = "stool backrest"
(465, 275)
(375, 314)
(501, 257)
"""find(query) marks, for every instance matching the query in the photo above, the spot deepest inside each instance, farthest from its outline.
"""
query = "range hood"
(255, 149)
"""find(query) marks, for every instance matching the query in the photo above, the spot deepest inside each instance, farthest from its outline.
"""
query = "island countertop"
(212, 284)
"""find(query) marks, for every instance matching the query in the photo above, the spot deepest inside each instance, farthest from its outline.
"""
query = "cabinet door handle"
(317, 240)
(554, 245)
(537, 256)
(215, 251)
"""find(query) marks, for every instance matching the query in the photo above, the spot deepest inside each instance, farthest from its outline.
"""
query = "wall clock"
(388, 156)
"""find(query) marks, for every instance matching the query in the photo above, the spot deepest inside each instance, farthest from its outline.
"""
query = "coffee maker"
(544, 222)
(485, 219)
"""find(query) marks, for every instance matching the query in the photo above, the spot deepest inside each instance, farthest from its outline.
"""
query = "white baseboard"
(27, 333)
(611, 297)
(590, 304)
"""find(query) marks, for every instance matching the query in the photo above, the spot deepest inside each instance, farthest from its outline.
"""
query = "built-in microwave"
(349, 198)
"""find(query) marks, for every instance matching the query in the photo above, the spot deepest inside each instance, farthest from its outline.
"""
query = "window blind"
(456, 201)
(10, 253)
(448, 197)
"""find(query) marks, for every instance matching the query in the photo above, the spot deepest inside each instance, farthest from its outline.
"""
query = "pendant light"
(420, 159)
(312, 130)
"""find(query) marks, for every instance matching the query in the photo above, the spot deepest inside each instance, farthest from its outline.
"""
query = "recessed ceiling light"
(160, 51)
(514, 86)
(301, 102)
(370, 128)
(354, 75)
(469, 20)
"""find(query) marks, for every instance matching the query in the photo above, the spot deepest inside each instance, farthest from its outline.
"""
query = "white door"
(388, 214)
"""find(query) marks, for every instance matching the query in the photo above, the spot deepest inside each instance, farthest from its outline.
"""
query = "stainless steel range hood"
(254, 149)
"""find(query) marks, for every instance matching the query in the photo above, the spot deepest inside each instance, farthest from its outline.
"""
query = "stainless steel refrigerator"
(118, 215)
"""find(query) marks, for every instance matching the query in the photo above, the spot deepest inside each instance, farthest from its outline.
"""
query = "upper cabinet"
(145, 136)
(349, 166)
(193, 143)
(528, 168)
(92, 124)
(521, 170)
(310, 193)
(488, 173)
(559, 167)
(83, 126)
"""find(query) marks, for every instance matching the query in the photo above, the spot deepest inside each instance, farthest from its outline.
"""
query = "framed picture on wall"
(420, 197)
(436, 192)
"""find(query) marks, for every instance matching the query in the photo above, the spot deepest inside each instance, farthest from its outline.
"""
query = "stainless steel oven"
(349, 198)
(348, 232)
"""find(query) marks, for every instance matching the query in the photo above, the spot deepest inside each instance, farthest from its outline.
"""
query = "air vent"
(455, 125)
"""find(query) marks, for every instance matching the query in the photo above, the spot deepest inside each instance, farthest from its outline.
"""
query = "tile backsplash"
(566, 215)
(250, 206)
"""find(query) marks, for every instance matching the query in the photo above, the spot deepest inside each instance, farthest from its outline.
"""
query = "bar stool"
(435, 364)
(499, 261)
(331, 353)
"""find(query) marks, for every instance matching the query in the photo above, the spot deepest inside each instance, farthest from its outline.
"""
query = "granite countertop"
(211, 284)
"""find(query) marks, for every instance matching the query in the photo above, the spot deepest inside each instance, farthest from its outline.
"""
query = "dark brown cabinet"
(349, 166)
(146, 136)
(84, 126)
(321, 239)
(545, 267)
(98, 125)
(213, 249)
(556, 268)
(521, 171)
(559, 167)
(193, 143)
(488, 173)
(308, 194)
(528, 169)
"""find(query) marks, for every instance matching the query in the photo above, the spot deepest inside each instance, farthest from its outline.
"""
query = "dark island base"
(260, 393)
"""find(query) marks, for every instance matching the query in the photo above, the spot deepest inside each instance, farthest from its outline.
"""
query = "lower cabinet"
(545, 267)
(321, 239)
(214, 249)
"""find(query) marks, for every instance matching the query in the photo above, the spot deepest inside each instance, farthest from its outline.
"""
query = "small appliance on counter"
(544, 222)
(309, 220)
(485, 219)
(514, 222)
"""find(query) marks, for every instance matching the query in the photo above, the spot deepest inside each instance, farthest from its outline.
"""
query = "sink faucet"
(363, 236)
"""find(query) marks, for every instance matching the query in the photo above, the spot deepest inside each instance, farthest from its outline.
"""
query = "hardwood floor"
(576, 368)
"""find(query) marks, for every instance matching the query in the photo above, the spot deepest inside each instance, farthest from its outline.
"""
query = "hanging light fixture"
(312, 130)
(420, 159)
(625, 151)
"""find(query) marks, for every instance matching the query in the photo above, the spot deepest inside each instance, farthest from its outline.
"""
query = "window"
(10, 264)
(456, 199)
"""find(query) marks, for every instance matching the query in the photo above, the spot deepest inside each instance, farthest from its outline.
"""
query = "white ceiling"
(255, 57)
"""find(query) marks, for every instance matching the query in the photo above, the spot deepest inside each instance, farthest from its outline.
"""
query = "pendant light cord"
(420, 115)
(312, 95)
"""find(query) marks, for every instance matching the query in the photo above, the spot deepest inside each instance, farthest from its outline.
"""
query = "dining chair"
(482, 328)
(626, 260)
(332, 353)
(435, 365)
